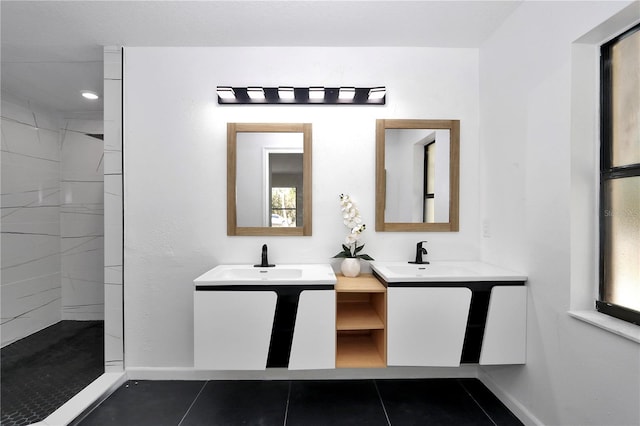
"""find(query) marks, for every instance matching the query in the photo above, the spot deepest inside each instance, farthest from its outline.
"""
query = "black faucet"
(419, 252)
(264, 262)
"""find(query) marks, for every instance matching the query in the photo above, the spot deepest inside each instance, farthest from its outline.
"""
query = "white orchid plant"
(353, 221)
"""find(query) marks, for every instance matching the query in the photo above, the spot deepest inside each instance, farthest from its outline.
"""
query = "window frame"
(609, 172)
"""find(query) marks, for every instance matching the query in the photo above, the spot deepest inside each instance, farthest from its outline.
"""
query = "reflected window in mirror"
(428, 213)
(417, 173)
(268, 179)
(285, 185)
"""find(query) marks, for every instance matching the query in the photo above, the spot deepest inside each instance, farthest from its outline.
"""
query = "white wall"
(175, 168)
(575, 374)
(31, 290)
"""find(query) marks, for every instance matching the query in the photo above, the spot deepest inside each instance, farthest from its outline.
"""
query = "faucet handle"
(264, 263)
(419, 252)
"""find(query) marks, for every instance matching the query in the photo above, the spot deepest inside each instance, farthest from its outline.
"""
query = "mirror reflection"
(417, 175)
(269, 179)
(417, 169)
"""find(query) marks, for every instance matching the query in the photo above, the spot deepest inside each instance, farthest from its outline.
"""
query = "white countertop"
(297, 274)
(444, 271)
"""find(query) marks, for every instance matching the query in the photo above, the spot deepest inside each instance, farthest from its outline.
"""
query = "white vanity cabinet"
(314, 340)
(426, 326)
(257, 327)
(446, 324)
(505, 332)
(445, 314)
(232, 329)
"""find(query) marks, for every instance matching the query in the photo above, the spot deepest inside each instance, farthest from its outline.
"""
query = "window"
(283, 207)
(619, 294)
(428, 212)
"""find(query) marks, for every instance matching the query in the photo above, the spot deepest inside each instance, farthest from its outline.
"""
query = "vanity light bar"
(314, 95)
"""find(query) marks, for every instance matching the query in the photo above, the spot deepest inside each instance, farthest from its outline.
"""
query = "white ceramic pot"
(350, 267)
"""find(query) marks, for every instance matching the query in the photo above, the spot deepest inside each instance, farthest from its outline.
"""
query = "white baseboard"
(515, 406)
(187, 373)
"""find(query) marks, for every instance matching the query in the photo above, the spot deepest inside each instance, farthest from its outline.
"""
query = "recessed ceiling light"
(87, 94)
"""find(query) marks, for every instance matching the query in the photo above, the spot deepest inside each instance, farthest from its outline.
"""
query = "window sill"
(609, 323)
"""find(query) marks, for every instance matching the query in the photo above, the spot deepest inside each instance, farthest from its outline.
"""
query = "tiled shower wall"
(113, 208)
(31, 284)
(82, 220)
(52, 220)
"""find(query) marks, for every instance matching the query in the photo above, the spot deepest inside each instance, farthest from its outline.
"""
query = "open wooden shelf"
(361, 317)
(358, 351)
(357, 316)
(365, 283)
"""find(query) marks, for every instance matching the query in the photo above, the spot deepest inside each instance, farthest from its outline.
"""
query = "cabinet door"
(426, 325)
(314, 335)
(505, 333)
(232, 329)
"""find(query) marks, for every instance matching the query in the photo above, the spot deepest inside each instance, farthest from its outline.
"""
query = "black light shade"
(314, 95)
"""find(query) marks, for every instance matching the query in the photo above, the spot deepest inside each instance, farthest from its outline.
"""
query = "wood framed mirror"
(269, 179)
(417, 175)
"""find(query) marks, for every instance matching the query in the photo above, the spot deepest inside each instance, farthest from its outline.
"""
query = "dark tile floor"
(44, 370)
(456, 402)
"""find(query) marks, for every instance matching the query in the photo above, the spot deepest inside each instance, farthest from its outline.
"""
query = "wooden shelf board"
(357, 351)
(365, 283)
(357, 316)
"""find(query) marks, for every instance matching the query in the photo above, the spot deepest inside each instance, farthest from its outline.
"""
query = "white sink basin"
(438, 271)
(312, 274)
(427, 270)
(261, 274)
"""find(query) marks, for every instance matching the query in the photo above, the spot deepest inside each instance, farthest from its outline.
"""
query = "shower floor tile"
(43, 371)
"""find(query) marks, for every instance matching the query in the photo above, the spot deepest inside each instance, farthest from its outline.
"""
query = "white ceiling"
(53, 49)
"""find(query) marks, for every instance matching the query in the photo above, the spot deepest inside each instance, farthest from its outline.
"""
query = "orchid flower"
(352, 220)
